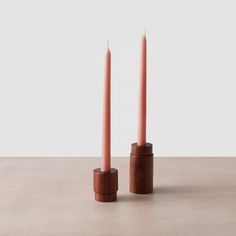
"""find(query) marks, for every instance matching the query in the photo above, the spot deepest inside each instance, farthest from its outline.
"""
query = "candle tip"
(145, 31)
(108, 44)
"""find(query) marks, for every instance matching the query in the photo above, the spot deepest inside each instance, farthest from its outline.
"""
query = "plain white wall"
(51, 76)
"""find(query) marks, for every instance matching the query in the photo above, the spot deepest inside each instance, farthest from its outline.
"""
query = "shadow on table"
(178, 190)
(134, 197)
(131, 197)
(194, 189)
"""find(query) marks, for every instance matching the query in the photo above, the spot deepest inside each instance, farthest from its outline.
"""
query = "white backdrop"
(51, 76)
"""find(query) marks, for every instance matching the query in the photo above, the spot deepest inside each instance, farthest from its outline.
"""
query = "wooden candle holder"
(141, 169)
(105, 185)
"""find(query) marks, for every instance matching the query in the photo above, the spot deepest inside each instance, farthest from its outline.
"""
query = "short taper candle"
(105, 179)
(142, 94)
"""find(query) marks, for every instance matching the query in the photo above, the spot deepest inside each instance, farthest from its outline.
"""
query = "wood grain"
(105, 185)
(141, 169)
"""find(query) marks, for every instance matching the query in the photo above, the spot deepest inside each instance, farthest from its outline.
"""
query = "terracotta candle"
(141, 155)
(142, 95)
(106, 149)
(105, 179)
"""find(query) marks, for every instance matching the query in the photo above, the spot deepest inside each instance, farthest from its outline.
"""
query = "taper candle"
(106, 142)
(105, 179)
(141, 156)
(142, 94)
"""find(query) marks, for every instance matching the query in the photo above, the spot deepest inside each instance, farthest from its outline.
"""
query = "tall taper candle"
(141, 156)
(142, 94)
(106, 139)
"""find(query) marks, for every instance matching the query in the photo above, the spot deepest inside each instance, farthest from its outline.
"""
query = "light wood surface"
(54, 196)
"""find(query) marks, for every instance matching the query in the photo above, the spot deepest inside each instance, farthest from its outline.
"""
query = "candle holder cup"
(105, 185)
(141, 169)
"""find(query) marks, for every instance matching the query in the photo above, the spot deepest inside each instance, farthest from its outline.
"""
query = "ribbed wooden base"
(105, 185)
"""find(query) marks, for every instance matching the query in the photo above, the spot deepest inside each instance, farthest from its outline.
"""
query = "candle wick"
(108, 44)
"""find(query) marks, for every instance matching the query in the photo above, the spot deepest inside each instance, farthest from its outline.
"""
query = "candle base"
(141, 169)
(105, 185)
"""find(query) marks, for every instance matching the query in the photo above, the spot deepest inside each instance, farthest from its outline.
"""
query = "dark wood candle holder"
(105, 185)
(141, 169)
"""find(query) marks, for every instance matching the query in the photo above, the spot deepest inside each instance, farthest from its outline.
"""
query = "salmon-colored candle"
(142, 94)
(106, 139)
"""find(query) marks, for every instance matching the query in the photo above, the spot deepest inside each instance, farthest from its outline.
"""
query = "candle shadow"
(132, 197)
(171, 190)
(192, 189)
(175, 190)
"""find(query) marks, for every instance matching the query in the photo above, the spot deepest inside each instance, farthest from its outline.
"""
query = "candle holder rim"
(146, 145)
(111, 171)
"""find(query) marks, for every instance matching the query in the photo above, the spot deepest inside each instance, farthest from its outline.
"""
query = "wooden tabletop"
(54, 196)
